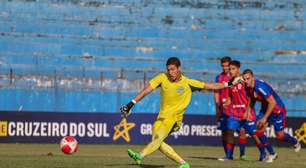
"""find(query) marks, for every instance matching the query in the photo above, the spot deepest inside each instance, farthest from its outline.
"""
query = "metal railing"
(120, 79)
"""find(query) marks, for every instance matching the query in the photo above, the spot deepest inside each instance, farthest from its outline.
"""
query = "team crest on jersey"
(239, 86)
(180, 89)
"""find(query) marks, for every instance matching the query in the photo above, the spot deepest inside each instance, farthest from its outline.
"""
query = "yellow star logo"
(122, 130)
(301, 133)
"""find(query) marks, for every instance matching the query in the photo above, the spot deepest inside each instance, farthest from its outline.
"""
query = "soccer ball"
(69, 145)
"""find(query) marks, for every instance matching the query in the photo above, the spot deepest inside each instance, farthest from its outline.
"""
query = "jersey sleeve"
(217, 79)
(195, 84)
(157, 80)
(264, 90)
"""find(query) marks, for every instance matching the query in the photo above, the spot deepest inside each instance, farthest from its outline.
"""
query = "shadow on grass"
(151, 166)
(204, 158)
(215, 158)
(142, 165)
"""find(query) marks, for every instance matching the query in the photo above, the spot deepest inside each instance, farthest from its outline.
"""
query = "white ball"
(69, 145)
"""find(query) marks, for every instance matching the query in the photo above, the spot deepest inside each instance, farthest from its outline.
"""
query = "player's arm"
(148, 89)
(217, 86)
(217, 105)
(271, 104)
(227, 102)
(250, 107)
(202, 86)
(251, 104)
(153, 83)
(126, 109)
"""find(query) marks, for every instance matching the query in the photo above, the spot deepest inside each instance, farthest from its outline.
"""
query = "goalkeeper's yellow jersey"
(175, 96)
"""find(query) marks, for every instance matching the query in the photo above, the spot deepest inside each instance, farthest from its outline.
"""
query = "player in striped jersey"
(241, 116)
(223, 111)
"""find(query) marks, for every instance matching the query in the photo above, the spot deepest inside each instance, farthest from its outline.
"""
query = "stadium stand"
(92, 56)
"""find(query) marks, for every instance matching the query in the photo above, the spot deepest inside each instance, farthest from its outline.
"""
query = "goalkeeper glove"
(126, 109)
(234, 81)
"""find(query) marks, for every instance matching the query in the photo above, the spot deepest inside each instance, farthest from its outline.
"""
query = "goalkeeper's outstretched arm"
(148, 89)
(217, 86)
(126, 109)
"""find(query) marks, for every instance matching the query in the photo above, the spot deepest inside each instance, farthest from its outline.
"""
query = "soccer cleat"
(244, 158)
(263, 158)
(184, 165)
(271, 158)
(225, 159)
(297, 147)
(135, 156)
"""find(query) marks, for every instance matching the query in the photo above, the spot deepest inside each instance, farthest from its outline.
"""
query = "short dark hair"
(248, 71)
(173, 61)
(225, 59)
(235, 63)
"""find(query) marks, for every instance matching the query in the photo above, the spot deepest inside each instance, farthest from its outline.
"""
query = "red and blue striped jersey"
(223, 93)
(240, 101)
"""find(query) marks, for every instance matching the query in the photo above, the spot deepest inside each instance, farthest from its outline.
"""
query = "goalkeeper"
(175, 93)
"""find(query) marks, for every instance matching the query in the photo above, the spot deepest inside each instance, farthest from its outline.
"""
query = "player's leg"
(170, 153)
(279, 122)
(222, 126)
(161, 130)
(229, 148)
(261, 148)
(250, 127)
(224, 140)
(263, 138)
(282, 136)
(242, 143)
(232, 126)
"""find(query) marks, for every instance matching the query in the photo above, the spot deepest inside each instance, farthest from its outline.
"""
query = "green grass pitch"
(115, 156)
